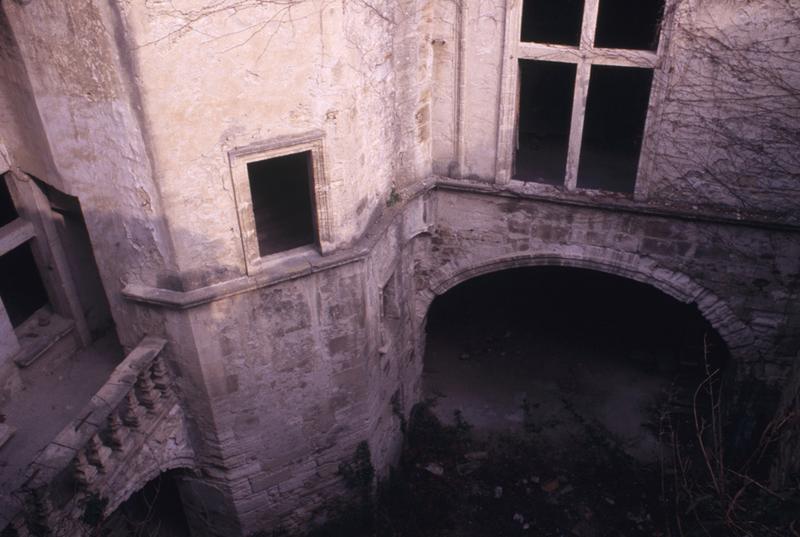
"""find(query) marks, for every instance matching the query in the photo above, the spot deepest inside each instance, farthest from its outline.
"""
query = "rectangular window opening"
(282, 204)
(616, 110)
(556, 22)
(629, 24)
(21, 287)
(8, 213)
(545, 111)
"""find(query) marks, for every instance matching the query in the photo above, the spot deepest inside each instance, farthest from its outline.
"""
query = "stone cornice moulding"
(294, 266)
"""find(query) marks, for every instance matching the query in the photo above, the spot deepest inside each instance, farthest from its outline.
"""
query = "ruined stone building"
(260, 199)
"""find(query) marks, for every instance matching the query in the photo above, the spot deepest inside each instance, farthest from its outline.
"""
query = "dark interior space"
(616, 110)
(559, 391)
(154, 511)
(545, 110)
(629, 24)
(21, 287)
(7, 210)
(585, 307)
(553, 22)
(613, 348)
(282, 203)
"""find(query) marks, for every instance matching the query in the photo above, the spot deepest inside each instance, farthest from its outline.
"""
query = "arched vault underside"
(734, 332)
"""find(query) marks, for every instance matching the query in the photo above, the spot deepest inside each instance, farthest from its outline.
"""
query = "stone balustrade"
(69, 485)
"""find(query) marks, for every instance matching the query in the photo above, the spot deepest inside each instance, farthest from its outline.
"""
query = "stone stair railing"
(66, 487)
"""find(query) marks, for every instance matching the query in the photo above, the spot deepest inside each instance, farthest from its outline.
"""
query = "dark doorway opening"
(545, 111)
(558, 23)
(8, 213)
(616, 110)
(629, 24)
(282, 203)
(21, 287)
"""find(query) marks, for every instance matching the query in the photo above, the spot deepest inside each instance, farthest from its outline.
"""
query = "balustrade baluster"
(85, 472)
(39, 512)
(118, 432)
(133, 410)
(160, 375)
(98, 453)
(147, 391)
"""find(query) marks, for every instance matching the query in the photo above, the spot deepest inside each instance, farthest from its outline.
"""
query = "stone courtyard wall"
(283, 372)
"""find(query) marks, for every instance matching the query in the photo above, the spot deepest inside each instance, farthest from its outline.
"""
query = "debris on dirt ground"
(584, 529)
(551, 486)
(468, 467)
(435, 468)
(498, 492)
(566, 490)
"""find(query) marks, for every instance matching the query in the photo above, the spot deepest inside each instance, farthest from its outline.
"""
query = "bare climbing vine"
(730, 123)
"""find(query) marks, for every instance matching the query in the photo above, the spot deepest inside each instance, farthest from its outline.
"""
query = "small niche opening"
(629, 24)
(545, 110)
(616, 110)
(282, 203)
(554, 22)
(21, 287)
(8, 213)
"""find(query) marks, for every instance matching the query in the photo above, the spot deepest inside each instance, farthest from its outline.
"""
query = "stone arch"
(118, 496)
(165, 447)
(735, 334)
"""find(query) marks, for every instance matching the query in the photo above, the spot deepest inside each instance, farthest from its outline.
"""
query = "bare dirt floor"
(551, 436)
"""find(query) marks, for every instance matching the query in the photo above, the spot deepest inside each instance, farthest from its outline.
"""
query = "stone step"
(37, 339)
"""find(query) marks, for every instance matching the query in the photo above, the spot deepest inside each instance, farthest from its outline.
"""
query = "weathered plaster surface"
(23, 142)
(87, 109)
(218, 76)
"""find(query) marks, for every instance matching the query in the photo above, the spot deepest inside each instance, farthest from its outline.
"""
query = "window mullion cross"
(582, 77)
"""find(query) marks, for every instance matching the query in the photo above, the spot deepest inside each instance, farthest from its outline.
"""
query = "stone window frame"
(583, 56)
(239, 158)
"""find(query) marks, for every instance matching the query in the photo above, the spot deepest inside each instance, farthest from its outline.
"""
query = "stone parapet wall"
(132, 430)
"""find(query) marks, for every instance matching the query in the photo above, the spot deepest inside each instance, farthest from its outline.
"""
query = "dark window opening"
(545, 111)
(552, 21)
(8, 213)
(281, 191)
(21, 287)
(616, 110)
(629, 24)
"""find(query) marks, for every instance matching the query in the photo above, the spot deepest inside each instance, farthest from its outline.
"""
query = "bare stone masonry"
(257, 375)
